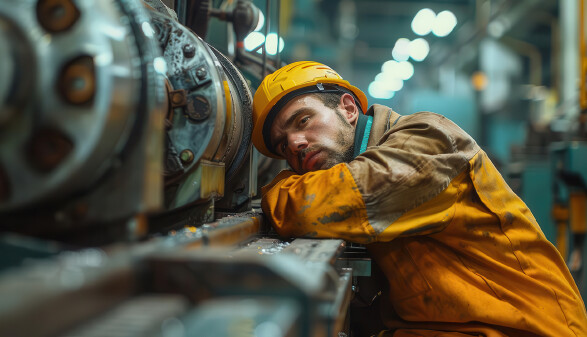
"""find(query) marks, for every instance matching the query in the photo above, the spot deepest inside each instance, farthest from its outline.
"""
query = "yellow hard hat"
(286, 83)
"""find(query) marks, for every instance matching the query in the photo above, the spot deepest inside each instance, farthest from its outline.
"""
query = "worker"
(462, 254)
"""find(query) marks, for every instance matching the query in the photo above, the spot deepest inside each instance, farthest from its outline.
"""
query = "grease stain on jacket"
(309, 198)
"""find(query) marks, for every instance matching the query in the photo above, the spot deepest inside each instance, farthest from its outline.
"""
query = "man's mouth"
(310, 161)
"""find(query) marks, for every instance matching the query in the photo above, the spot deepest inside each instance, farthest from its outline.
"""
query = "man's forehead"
(295, 104)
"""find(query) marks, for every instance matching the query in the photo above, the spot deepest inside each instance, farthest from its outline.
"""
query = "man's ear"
(350, 109)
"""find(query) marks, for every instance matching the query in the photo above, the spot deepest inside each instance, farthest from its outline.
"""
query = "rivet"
(201, 73)
(186, 156)
(189, 51)
(57, 15)
(48, 148)
(77, 81)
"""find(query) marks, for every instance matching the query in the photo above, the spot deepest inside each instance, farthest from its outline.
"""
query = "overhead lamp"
(423, 21)
(393, 84)
(271, 44)
(389, 66)
(377, 89)
(419, 49)
(393, 69)
(444, 23)
(401, 50)
(405, 70)
(254, 40)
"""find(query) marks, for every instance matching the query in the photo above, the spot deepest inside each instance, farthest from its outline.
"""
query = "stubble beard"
(345, 153)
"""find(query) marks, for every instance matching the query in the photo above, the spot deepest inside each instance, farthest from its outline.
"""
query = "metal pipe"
(268, 22)
(278, 53)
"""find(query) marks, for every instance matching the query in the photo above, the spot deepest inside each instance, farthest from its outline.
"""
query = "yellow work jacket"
(461, 252)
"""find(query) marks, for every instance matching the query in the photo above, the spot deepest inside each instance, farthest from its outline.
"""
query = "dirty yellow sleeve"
(323, 204)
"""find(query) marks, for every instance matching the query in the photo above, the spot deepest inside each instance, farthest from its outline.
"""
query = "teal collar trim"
(362, 132)
(366, 134)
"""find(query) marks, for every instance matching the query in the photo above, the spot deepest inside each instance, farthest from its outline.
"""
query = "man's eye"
(304, 120)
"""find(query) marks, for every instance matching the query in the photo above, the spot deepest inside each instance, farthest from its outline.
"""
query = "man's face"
(312, 136)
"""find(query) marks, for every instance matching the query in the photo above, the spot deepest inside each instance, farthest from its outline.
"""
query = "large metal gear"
(79, 89)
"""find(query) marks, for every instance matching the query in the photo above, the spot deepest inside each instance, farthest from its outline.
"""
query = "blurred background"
(129, 188)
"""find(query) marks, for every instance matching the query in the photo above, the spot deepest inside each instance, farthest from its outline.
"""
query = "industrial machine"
(127, 180)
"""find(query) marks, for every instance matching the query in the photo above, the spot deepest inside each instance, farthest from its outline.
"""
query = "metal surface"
(209, 122)
(80, 92)
(302, 272)
(145, 315)
(197, 125)
(188, 280)
(243, 316)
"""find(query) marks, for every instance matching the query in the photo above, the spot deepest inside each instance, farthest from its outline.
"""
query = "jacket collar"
(383, 119)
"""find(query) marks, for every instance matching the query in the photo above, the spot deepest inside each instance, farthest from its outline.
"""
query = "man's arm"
(376, 196)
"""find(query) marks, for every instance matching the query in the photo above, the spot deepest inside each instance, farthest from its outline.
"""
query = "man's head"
(306, 113)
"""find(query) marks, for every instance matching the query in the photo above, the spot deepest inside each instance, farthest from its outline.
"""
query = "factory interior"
(130, 191)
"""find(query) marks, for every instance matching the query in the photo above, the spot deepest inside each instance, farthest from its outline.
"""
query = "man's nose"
(297, 142)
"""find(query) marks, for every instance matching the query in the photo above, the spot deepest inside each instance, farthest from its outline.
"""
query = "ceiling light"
(254, 40)
(377, 90)
(401, 50)
(389, 66)
(444, 23)
(405, 70)
(419, 49)
(393, 84)
(271, 44)
(393, 69)
(423, 21)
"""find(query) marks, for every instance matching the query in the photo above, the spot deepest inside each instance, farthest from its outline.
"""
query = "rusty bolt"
(177, 98)
(186, 156)
(189, 51)
(47, 149)
(201, 73)
(57, 15)
(77, 82)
